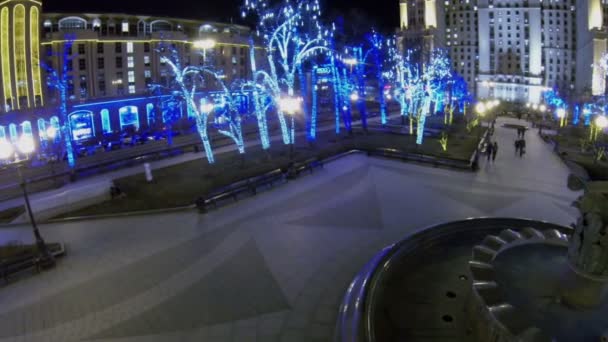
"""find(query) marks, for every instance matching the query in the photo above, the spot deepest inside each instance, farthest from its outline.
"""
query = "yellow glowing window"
(19, 51)
(35, 53)
(6, 59)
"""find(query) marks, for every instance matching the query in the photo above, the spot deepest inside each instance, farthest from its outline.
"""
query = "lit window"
(125, 26)
(147, 60)
(130, 62)
(131, 89)
(131, 76)
(147, 74)
(129, 47)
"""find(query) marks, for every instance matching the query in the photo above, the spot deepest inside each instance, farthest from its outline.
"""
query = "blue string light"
(61, 82)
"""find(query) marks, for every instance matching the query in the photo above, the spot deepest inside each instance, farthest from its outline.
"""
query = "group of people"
(491, 150)
(520, 142)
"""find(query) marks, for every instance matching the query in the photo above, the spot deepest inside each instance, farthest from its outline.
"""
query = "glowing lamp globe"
(601, 122)
(289, 105)
(350, 61)
(542, 108)
(6, 149)
(51, 132)
(535, 106)
(354, 97)
(205, 44)
(561, 113)
(207, 108)
(480, 108)
(25, 144)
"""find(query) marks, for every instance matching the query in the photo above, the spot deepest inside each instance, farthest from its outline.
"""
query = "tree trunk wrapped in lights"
(292, 34)
(60, 82)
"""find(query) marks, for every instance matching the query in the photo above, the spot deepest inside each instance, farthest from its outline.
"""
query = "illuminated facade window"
(129, 47)
(12, 131)
(55, 123)
(125, 27)
(83, 125)
(6, 59)
(19, 48)
(150, 114)
(147, 60)
(130, 62)
(129, 117)
(131, 76)
(131, 89)
(42, 129)
(35, 56)
(105, 121)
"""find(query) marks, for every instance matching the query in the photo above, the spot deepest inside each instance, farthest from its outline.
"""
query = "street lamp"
(480, 108)
(561, 114)
(351, 62)
(599, 124)
(51, 133)
(354, 96)
(25, 145)
(204, 45)
(290, 105)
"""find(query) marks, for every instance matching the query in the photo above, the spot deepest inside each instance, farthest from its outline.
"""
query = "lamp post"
(290, 105)
(204, 45)
(561, 114)
(25, 145)
(600, 123)
(480, 108)
(351, 62)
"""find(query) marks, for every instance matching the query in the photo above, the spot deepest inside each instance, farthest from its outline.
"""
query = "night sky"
(382, 14)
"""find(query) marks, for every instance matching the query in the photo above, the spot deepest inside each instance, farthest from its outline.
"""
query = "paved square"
(269, 268)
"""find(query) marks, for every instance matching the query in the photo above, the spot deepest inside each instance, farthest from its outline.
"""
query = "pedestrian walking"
(489, 150)
(517, 145)
(522, 148)
(494, 151)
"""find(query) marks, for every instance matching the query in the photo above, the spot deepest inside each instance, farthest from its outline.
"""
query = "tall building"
(119, 55)
(592, 39)
(113, 55)
(113, 60)
(506, 49)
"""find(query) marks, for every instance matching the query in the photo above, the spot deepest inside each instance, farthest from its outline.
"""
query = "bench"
(308, 165)
(233, 190)
(25, 262)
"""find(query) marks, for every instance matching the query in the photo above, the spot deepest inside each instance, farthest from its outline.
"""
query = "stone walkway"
(269, 268)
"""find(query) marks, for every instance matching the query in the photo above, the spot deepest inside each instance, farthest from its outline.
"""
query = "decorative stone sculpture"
(585, 281)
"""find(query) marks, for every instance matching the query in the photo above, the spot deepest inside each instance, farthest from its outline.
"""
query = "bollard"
(148, 171)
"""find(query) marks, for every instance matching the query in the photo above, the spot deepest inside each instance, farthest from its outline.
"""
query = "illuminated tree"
(186, 82)
(436, 76)
(407, 83)
(228, 113)
(259, 96)
(292, 34)
(60, 81)
(459, 95)
(553, 99)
